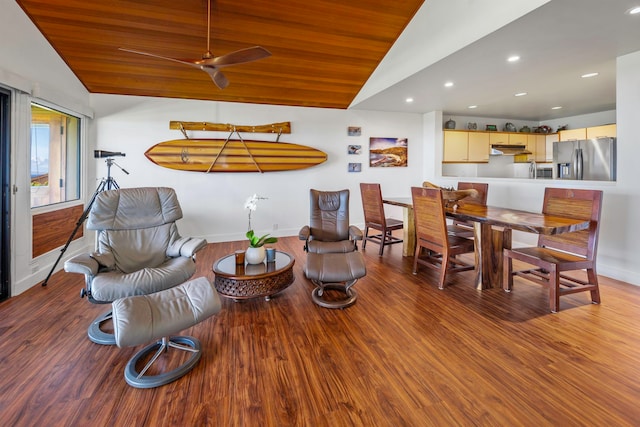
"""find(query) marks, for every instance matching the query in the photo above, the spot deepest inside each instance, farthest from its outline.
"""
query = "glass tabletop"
(227, 266)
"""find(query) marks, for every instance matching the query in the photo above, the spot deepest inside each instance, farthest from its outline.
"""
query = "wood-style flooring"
(406, 354)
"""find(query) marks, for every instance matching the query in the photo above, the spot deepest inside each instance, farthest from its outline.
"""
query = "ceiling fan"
(211, 64)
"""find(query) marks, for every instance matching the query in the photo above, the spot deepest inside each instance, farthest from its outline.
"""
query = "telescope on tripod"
(107, 183)
(101, 154)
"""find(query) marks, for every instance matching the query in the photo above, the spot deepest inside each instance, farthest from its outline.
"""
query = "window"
(55, 156)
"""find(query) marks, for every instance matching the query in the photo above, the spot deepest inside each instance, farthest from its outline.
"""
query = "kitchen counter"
(497, 167)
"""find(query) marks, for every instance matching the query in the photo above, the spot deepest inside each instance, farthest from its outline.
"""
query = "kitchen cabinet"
(508, 138)
(463, 146)
(479, 148)
(573, 134)
(602, 131)
(498, 138)
(456, 146)
(549, 140)
(588, 133)
(518, 139)
(537, 144)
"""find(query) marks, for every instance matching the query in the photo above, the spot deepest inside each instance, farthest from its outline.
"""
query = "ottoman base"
(335, 271)
(143, 318)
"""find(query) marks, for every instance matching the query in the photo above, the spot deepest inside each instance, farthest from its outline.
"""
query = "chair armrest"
(304, 233)
(82, 264)
(185, 246)
(355, 233)
(194, 244)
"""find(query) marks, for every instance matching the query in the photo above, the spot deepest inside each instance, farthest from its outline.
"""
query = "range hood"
(508, 150)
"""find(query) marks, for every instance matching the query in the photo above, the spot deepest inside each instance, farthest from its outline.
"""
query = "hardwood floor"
(406, 354)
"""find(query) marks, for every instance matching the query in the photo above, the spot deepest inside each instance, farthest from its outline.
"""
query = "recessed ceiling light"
(448, 84)
(513, 58)
(520, 94)
(472, 106)
(409, 100)
(556, 108)
(585, 76)
(633, 11)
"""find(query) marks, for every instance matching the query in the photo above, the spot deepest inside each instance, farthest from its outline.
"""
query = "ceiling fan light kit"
(211, 64)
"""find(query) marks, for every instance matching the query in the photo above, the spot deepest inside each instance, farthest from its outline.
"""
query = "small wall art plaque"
(354, 149)
(355, 167)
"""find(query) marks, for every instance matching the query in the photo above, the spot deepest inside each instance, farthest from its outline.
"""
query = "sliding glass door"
(5, 199)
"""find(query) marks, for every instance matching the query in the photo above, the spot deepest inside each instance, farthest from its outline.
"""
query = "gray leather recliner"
(139, 250)
(329, 230)
(333, 260)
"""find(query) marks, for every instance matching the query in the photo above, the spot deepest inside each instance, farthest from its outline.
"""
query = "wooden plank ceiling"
(323, 51)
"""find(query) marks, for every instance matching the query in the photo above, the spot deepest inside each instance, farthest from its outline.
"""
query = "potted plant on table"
(256, 252)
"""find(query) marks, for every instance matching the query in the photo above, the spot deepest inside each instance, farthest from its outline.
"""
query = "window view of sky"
(39, 149)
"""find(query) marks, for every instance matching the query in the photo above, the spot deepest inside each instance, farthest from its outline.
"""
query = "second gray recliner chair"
(333, 260)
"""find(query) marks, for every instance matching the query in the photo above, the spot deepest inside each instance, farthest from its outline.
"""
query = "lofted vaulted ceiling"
(323, 51)
(360, 54)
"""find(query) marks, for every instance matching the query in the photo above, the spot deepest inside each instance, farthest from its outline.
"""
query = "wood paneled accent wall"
(52, 229)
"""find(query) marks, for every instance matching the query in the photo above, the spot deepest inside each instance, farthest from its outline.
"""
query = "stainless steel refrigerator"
(588, 159)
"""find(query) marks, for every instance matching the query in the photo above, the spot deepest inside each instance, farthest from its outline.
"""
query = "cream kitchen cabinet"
(537, 144)
(549, 140)
(588, 133)
(479, 147)
(602, 131)
(498, 138)
(508, 138)
(463, 146)
(518, 139)
(456, 146)
(573, 134)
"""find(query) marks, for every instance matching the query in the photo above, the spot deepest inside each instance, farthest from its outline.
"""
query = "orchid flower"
(254, 241)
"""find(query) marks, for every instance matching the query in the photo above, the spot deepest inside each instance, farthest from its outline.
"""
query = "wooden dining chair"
(463, 228)
(563, 252)
(374, 217)
(435, 248)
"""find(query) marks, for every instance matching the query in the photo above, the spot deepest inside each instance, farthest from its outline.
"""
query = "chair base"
(97, 335)
(566, 284)
(382, 240)
(318, 294)
(140, 380)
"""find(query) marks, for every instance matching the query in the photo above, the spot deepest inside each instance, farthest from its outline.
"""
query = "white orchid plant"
(254, 241)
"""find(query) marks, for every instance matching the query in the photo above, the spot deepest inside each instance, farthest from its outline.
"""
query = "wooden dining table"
(492, 232)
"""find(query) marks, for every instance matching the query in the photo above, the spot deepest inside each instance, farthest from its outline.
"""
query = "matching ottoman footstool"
(144, 318)
(337, 271)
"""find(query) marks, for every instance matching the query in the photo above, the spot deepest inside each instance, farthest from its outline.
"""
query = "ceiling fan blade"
(153, 55)
(241, 56)
(216, 75)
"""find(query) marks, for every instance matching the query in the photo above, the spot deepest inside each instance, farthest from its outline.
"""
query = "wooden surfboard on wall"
(220, 155)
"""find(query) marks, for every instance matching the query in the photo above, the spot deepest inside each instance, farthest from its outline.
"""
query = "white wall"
(213, 203)
(583, 120)
(622, 207)
(33, 71)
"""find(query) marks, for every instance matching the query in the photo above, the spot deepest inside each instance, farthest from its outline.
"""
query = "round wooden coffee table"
(253, 280)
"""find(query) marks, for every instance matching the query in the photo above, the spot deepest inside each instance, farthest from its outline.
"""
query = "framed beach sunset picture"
(387, 152)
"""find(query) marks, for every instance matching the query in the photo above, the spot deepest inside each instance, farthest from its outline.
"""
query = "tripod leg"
(111, 184)
(75, 230)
